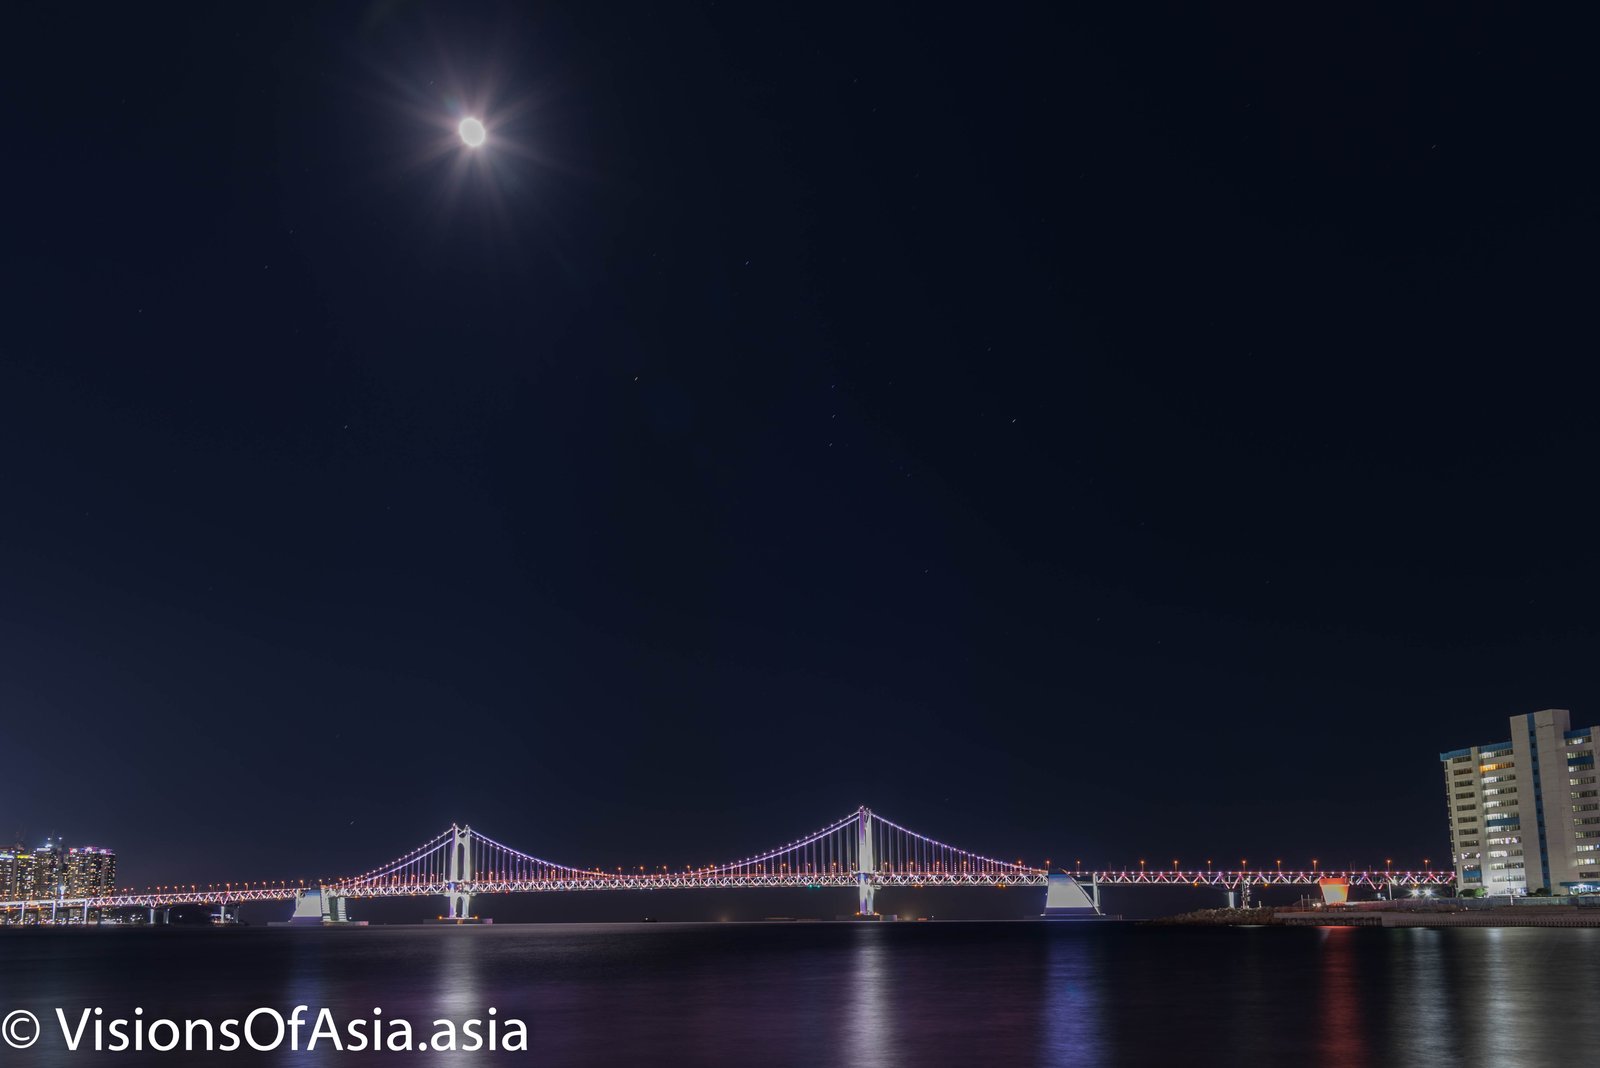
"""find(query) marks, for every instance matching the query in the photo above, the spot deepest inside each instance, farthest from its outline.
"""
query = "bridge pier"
(312, 908)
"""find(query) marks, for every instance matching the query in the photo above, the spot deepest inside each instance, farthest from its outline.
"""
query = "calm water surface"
(850, 994)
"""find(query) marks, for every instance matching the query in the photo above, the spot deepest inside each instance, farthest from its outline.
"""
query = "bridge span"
(862, 851)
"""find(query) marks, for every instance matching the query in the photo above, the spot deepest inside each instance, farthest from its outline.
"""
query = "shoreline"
(1553, 915)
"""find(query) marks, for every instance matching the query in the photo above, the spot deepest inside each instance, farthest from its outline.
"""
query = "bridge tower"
(866, 863)
(459, 870)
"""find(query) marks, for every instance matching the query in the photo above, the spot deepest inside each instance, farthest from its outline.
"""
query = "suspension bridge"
(863, 851)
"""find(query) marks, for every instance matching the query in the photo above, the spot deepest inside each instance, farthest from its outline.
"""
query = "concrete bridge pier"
(312, 908)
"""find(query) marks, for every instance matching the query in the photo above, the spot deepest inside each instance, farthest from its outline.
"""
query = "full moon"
(472, 132)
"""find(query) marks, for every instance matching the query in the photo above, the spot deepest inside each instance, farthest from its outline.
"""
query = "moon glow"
(472, 132)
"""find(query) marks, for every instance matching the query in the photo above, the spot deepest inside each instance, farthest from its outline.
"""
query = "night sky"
(1073, 435)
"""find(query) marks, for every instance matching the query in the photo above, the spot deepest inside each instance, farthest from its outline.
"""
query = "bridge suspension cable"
(422, 859)
(495, 862)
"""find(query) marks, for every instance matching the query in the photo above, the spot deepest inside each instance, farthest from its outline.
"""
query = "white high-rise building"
(1525, 812)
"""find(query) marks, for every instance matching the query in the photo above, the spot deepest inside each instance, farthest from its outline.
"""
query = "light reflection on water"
(1342, 1032)
(853, 994)
(1070, 1031)
(869, 1019)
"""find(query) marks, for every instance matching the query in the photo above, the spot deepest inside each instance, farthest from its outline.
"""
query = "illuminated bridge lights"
(1229, 880)
(862, 850)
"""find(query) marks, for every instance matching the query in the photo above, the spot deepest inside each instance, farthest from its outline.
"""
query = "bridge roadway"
(1232, 880)
(862, 850)
(1224, 880)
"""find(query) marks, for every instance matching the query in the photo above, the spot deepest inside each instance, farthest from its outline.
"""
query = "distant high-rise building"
(53, 872)
(49, 870)
(1525, 812)
(9, 880)
(28, 873)
(90, 871)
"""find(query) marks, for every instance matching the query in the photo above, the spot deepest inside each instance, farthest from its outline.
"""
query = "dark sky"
(1075, 436)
